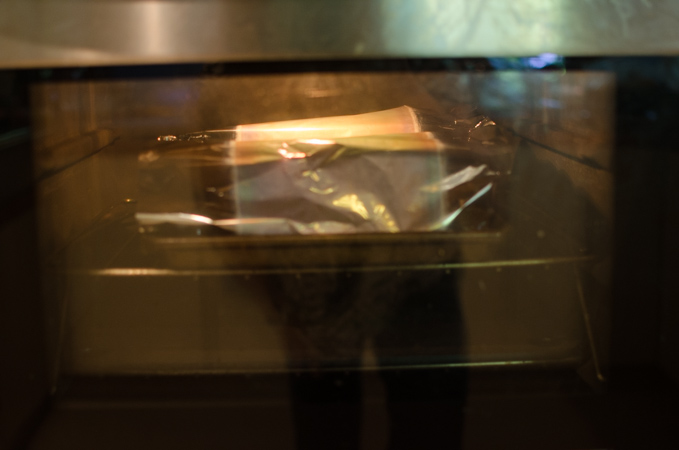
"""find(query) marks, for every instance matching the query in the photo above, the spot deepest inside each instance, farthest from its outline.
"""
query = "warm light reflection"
(318, 141)
(322, 130)
(381, 213)
(353, 203)
(311, 174)
(182, 218)
(291, 155)
(326, 191)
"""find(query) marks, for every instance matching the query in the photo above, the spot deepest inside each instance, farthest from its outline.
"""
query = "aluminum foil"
(329, 177)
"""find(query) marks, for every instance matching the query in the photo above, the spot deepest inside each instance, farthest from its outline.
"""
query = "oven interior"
(515, 315)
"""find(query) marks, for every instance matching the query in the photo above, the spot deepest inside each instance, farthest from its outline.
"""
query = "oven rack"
(115, 246)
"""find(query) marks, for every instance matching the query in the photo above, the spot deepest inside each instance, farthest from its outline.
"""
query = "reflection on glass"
(465, 232)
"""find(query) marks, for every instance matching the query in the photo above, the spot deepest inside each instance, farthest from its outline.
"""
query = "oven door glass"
(375, 254)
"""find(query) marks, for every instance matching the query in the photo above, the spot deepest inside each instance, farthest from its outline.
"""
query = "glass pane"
(418, 226)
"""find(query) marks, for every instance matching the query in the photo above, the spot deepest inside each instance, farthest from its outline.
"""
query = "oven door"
(497, 257)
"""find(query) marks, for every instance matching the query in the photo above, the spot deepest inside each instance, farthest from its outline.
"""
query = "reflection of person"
(413, 319)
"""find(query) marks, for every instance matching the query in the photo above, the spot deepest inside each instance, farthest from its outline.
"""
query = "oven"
(355, 225)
